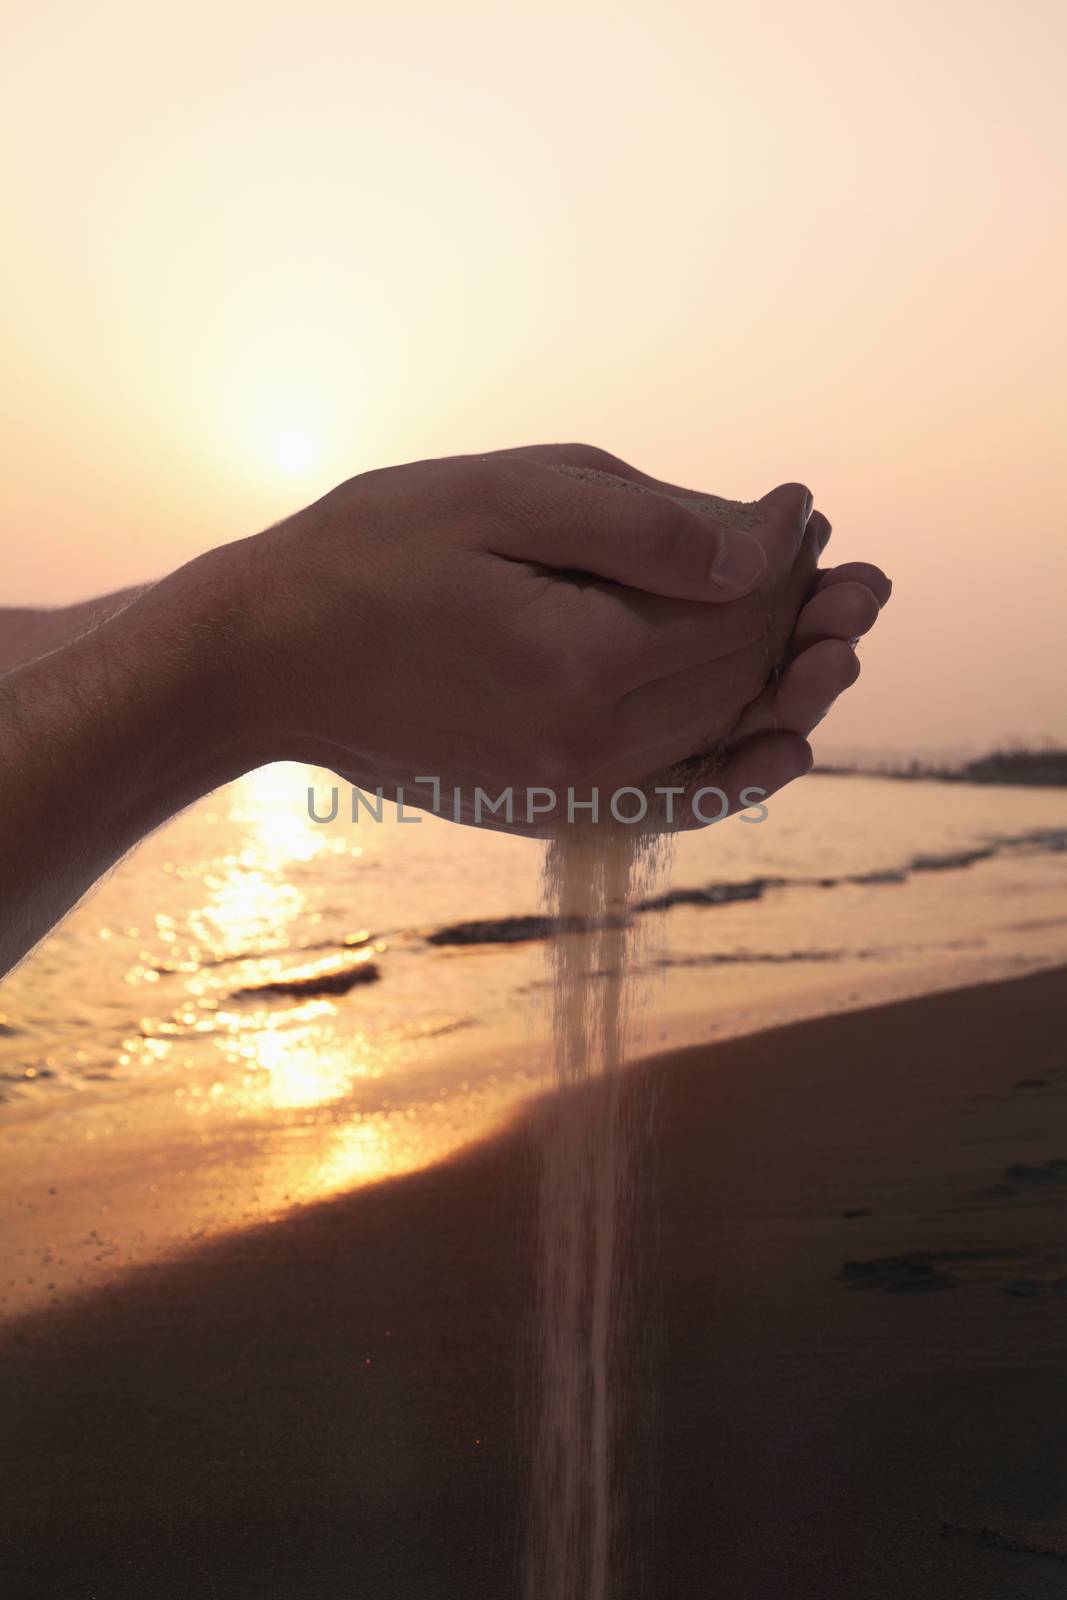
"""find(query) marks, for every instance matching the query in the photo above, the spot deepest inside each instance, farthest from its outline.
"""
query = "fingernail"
(738, 564)
(854, 643)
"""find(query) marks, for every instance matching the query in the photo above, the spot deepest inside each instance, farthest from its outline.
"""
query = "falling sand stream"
(593, 1137)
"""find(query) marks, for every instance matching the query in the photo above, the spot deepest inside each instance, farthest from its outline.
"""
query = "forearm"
(104, 738)
(28, 632)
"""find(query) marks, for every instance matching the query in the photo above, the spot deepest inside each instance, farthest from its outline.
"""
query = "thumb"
(683, 548)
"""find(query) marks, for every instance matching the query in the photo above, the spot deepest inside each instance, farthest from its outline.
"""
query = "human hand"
(494, 622)
(767, 747)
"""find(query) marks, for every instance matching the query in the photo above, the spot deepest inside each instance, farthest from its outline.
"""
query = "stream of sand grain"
(594, 872)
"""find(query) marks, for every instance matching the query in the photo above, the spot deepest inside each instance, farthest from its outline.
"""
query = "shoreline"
(97, 1184)
(329, 1400)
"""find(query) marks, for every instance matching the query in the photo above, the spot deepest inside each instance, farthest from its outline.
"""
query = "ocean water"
(160, 981)
(192, 1051)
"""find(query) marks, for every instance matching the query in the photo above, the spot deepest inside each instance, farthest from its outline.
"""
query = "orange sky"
(252, 249)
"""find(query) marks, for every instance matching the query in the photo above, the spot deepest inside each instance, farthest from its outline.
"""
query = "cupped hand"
(765, 747)
(494, 622)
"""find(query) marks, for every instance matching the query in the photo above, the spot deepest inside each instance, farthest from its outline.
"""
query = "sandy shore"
(327, 1406)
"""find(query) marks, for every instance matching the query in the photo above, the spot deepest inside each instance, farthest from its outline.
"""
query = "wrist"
(113, 733)
(182, 657)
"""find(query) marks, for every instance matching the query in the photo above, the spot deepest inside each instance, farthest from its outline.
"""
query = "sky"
(254, 249)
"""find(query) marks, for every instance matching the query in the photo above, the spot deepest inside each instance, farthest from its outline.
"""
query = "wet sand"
(329, 1405)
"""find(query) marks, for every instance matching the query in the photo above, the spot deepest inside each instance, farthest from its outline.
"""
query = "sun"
(294, 450)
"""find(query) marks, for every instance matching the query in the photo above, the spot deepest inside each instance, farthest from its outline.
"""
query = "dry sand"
(731, 513)
(326, 1407)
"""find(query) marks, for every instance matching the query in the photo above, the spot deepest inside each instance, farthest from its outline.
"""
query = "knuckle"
(591, 455)
(497, 497)
(675, 536)
(844, 610)
(863, 606)
(467, 485)
(841, 661)
(498, 476)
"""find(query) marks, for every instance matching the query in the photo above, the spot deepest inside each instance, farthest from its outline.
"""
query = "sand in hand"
(743, 514)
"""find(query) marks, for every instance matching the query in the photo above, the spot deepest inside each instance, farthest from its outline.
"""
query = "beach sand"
(325, 1406)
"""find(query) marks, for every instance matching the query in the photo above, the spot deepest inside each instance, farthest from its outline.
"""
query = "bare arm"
(106, 736)
(27, 632)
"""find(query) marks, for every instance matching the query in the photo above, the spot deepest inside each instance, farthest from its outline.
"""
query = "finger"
(833, 613)
(652, 638)
(783, 520)
(615, 529)
(590, 462)
(667, 720)
(799, 700)
(822, 528)
(647, 638)
(747, 777)
(856, 572)
(779, 522)
(660, 722)
(843, 611)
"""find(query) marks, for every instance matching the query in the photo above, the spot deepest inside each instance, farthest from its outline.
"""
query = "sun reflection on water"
(363, 1151)
(252, 901)
(264, 1056)
(308, 1067)
(250, 930)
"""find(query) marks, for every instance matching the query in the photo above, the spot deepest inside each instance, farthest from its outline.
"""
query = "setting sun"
(294, 451)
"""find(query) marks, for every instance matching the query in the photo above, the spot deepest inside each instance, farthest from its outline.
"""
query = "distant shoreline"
(1030, 769)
